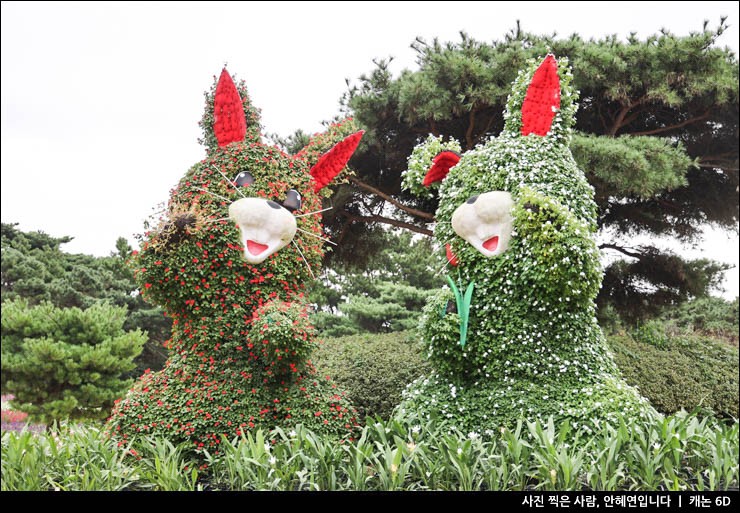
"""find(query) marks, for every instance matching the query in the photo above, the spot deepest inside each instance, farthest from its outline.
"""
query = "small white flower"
(273, 460)
(459, 451)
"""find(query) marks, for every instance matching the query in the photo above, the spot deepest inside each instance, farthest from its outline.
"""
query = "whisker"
(231, 183)
(217, 220)
(317, 212)
(447, 262)
(212, 193)
(317, 236)
(443, 268)
(304, 259)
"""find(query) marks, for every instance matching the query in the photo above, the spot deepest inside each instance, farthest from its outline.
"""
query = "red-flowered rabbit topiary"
(228, 262)
(514, 337)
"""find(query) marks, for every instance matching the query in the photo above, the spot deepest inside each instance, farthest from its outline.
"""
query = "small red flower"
(451, 257)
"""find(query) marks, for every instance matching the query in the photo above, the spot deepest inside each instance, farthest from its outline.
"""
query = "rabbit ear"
(441, 165)
(230, 124)
(542, 100)
(333, 161)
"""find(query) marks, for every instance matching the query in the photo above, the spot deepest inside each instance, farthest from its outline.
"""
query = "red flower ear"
(229, 122)
(542, 99)
(441, 165)
(334, 160)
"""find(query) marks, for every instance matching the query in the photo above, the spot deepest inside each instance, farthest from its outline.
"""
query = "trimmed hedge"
(672, 371)
(374, 369)
(676, 371)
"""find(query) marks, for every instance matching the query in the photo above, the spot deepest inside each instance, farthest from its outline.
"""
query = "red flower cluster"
(333, 161)
(230, 123)
(13, 416)
(542, 99)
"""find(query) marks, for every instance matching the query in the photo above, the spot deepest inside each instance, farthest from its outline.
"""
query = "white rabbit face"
(485, 222)
(266, 227)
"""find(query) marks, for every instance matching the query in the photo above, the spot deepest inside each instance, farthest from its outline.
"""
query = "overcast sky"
(101, 100)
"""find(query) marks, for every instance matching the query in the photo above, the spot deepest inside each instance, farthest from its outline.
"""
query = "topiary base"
(487, 407)
(185, 406)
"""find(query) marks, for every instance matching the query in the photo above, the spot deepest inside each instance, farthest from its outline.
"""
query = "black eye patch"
(472, 199)
(273, 204)
(292, 200)
(243, 179)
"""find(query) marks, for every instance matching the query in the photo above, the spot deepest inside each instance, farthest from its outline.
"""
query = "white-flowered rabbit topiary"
(515, 335)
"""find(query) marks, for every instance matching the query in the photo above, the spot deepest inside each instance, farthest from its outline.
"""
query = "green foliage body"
(534, 348)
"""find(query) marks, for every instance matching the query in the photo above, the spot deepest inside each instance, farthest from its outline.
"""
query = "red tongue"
(255, 247)
(491, 244)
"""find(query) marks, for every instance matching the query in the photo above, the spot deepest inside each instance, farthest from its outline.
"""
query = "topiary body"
(518, 219)
(228, 262)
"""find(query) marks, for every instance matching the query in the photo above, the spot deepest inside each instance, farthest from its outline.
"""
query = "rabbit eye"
(243, 179)
(292, 200)
(472, 199)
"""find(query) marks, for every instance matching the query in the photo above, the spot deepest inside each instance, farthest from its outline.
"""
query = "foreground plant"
(683, 452)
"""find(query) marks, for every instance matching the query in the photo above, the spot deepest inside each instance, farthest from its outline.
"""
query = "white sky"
(101, 100)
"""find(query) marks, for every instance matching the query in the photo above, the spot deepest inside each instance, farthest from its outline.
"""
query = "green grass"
(680, 452)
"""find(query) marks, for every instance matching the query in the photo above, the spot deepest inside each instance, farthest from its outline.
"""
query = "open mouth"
(491, 244)
(255, 248)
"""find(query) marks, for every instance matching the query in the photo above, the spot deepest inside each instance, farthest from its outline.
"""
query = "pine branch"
(621, 249)
(724, 160)
(469, 132)
(620, 121)
(388, 220)
(672, 127)
(629, 119)
(708, 165)
(433, 127)
(414, 212)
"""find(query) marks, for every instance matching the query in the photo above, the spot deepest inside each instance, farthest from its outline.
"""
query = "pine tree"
(384, 292)
(66, 362)
(656, 135)
(35, 268)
